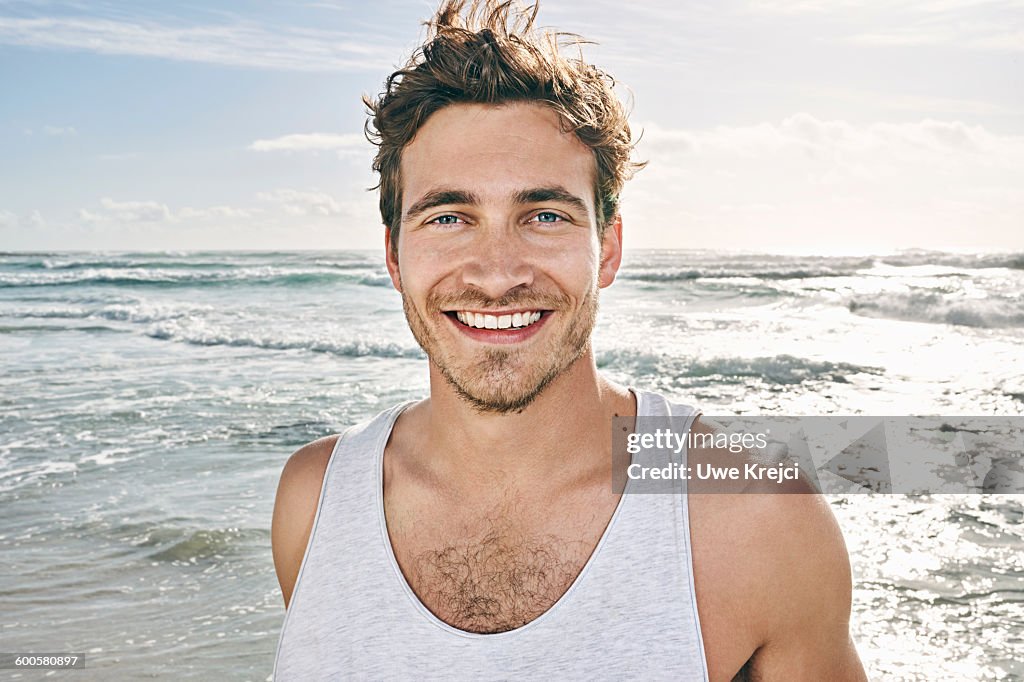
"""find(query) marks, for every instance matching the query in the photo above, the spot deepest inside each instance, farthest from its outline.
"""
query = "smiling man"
(478, 533)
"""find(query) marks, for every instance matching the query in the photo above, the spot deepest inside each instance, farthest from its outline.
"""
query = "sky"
(800, 126)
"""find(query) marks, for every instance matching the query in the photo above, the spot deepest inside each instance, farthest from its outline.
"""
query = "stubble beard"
(499, 380)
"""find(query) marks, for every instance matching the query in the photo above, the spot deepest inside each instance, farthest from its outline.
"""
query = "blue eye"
(548, 217)
(446, 220)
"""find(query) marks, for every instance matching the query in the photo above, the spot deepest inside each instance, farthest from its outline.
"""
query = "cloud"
(803, 179)
(803, 134)
(280, 206)
(920, 6)
(55, 131)
(11, 220)
(328, 5)
(118, 157)
(968, 35)
(126, 212)
(36, 220)
(896, 101)
(990, 25)
(136, 211)
(8, 220)
(154, 212)
(238, 44)
(303, 203)
(277, 219)
(311, 142)
(213, 213)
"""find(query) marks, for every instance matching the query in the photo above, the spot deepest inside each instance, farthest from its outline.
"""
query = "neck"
(564, 433)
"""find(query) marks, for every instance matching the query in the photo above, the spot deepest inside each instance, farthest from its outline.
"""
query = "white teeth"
(481, 321)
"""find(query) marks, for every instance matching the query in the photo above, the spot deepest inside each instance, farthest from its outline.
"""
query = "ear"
(391, 259)
(611, 252)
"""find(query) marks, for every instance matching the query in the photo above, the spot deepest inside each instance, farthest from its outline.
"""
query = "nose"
(499, 261)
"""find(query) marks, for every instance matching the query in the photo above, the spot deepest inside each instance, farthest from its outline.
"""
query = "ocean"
(148, 402)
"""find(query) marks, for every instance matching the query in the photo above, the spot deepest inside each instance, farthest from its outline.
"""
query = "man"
(475, 534)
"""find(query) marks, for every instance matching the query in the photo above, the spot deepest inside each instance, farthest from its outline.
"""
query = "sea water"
(149, 401)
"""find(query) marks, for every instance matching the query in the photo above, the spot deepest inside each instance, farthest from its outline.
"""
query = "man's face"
(498, 259)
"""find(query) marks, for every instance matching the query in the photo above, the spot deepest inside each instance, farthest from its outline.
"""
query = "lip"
(496, 313)
(500, 336)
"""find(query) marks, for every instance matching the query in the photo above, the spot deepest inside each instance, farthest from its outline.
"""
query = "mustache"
(520, 297)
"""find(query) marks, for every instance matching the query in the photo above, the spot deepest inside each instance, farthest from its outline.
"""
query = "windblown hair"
(489, 52)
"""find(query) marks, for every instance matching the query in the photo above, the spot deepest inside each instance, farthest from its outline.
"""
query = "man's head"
(491, 53)
(501, 164)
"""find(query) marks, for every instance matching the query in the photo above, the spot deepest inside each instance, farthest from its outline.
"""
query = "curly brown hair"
(489, 52)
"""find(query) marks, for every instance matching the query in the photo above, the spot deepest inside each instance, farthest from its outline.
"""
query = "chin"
(501, 392)
(498, 404)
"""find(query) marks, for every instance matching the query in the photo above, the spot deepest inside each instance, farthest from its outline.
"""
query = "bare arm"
(808, 635)
(298, 494)
(772, 576)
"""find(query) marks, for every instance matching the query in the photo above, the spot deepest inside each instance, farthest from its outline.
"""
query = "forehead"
(495, 150)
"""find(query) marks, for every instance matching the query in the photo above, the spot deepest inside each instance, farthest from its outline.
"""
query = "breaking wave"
(210, 545)
(933, 307)
(344, 348)
(192, 277)
(776, 369)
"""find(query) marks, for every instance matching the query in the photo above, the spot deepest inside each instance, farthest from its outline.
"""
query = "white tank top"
(630, 613)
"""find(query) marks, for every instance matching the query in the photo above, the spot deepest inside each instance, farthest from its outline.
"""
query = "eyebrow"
(556, 193)
(435, 198)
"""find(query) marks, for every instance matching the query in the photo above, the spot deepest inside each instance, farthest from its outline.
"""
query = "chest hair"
(498, 581)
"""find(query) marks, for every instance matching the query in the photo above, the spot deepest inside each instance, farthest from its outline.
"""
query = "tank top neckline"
(403, 584)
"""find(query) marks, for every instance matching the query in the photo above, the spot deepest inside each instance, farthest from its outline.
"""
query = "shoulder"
(805, 592)
(298, 494)
(309, 461)
(773, 579)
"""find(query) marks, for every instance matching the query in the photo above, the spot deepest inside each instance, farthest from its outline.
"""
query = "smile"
(511, 321)
(505, 328)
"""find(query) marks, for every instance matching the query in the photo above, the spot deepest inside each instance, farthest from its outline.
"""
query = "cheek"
(422, 268)
(575, 267)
